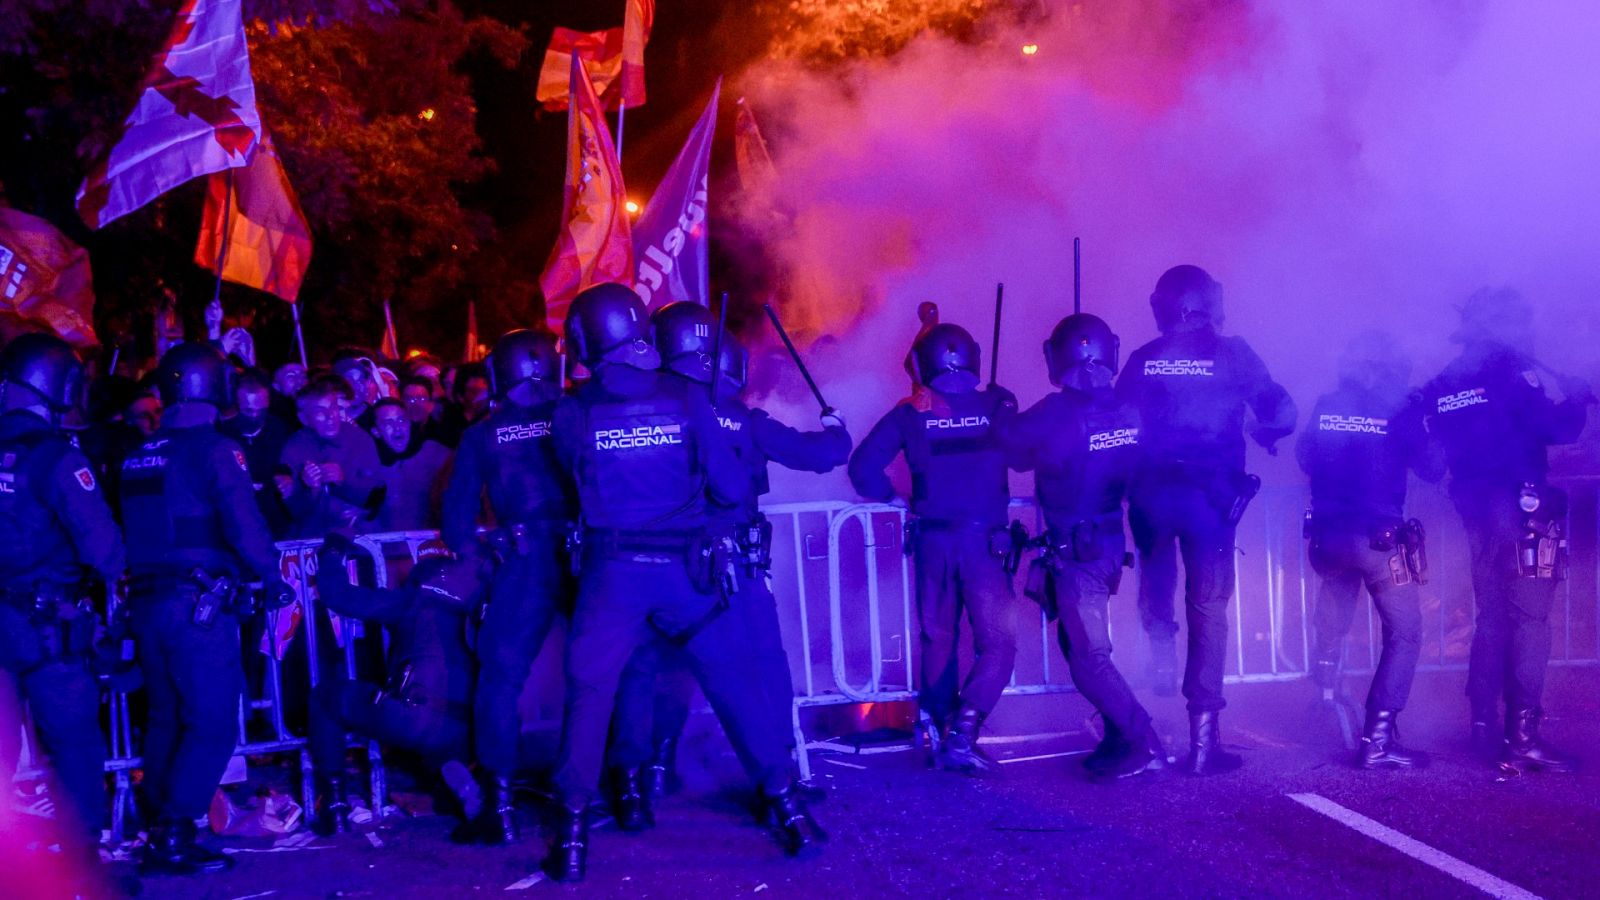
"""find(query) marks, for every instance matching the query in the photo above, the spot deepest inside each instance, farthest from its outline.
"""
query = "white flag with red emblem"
(196, 114)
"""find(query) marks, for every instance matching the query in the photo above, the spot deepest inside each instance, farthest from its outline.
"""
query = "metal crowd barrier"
(298, 568)
(860, 647)
(846, 602)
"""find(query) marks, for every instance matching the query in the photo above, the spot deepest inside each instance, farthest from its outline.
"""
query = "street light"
(631, 207)
(1030, 49)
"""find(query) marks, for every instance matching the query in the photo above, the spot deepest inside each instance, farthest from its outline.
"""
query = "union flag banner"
(254, 211)
(196, 114)
(45, 277)
(595, 244)
(613, 59)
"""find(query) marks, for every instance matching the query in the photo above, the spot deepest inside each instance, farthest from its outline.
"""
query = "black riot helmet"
(685, 336)
(1186, 298)
(1373, 360)
(1080, 340)
(947, 358)
(44, 365)
(524, 355)
(609, 323)
(194, 373)
(1496, 315)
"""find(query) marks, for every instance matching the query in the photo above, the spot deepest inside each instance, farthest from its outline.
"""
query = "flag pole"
(222, 251)
(299, 336)
(622, 111)
(390, 334)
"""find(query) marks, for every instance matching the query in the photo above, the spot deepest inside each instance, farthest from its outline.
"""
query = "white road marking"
(1000, 739)
(254, 896)
(1018, 759)
(526, 883)
(1444, 862)
(845, 764)
(373, 839)
(269, 849)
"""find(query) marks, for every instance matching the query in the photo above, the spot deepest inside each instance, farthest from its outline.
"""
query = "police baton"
(994, 348)
(716, 348)
(795, 355)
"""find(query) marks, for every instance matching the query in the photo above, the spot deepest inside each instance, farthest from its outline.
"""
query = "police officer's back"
(195, 536)
(57, 531)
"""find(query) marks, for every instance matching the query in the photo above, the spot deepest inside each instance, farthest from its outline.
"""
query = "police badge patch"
(85, 479)
(238, 457)
(1531, 377)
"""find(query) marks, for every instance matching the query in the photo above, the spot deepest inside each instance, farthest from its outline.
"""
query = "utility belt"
(211, 595)
(999, 536)
(1082, 542)
(752, 544)
(1542, 532)
(523, 538)
(1228, 491)
(62, 617)
(1405, 540)
(711, 559)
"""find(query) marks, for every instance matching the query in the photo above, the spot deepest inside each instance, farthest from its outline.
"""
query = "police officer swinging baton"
(799, 363)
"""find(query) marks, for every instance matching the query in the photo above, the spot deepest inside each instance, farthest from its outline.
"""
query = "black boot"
(1525, 750)
(1488, 740)
(173, 851)
(500, 816)
(661, 776)
(333, 808)
(569, 856)
(631, 806)
(1380, 744)
(960, 750)
(1105, 754)
(797, 831)
(1143, 756)
(1206, 756)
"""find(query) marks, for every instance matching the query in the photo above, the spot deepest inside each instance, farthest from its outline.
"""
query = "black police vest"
(1358, 467)
(1487, 417)
(34, 541)
(169, 514)
(734, 417)
(1191, 398)
(958, 470)
(1086, 476)
(525, 481)
(638, 468)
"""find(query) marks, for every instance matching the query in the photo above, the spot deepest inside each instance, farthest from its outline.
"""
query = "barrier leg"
(802, 755)
(377, 779)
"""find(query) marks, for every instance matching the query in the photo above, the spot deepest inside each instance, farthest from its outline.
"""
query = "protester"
(262, 435)
(411, 467)
(333, 464)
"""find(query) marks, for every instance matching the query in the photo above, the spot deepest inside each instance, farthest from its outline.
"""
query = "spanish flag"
(613, 59)
(253, 221)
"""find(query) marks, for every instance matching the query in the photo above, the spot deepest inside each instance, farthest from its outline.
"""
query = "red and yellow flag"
(267, 237)
(595, 244)
(613, 59)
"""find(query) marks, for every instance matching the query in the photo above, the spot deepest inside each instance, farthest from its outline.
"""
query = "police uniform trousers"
(1346, 562)
(956, 572)
(524, 600)
(658, 686)
(625, 601)
(1511, 640)
(1083, 602)
(192, 678)
(64, 701)
(430, 729)
(1171, 516)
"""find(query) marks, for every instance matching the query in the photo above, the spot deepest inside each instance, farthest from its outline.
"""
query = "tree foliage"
(828, 31)
(368, 101)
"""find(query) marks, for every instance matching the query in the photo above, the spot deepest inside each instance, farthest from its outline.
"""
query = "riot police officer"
(1490, 410)
(959, 495)
(1356, 447)
(646, 452)
(425, 705)
(1192, 387)
(1081, 442)
(58, 529)
(643, 742)
(194, 534)
(510, 458)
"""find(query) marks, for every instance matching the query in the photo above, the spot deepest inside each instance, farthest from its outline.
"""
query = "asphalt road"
(1041, 829)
